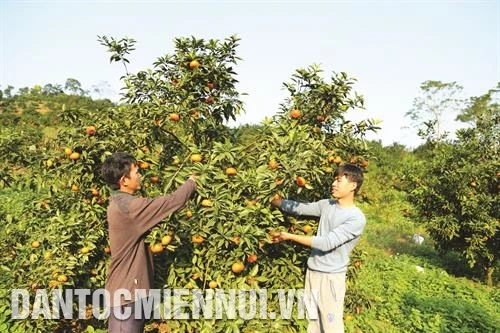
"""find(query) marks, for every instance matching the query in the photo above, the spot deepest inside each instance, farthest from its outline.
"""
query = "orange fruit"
(35, 244)
(75, 188)
(62, 278)
(157, 248)
(155, 179)
(165, 240)
(84, 250)
(74, 156)
(174, 117)
(68, 151)
(197, 239)
(236, 239)
(295, 114)
(237, 267)
(206, 203)
(194, 64)
(300, 181)
(231, 171)
(90, 130)
(196, 158)
(144, 165)
(273, 164)
(252, 258)
(189, 214)
(307, 229)
(212, 284)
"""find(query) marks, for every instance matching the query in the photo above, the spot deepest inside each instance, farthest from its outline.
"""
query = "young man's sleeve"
(147, 212)
(344, 233)
(298, 208)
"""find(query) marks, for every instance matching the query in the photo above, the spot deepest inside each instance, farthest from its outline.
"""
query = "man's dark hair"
(352, 172)
(115, 167)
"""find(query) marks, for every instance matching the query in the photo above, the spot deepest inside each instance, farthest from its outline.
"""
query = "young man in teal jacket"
(340, 226)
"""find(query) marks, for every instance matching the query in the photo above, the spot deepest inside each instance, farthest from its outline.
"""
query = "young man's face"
(342, 187)
(132, 182)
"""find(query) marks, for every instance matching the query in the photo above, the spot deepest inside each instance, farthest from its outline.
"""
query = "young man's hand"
(276, 202)
(279, 236)
(194, 177)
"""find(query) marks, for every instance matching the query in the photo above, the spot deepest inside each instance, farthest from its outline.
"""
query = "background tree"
(455, 188)
(437, 103)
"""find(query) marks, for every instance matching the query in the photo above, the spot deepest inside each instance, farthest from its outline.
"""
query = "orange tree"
(174, 125)
(455, 190)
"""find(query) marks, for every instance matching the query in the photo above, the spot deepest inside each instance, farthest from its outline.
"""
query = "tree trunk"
(489, 276)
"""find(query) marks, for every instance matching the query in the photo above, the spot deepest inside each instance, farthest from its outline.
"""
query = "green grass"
(410, 287)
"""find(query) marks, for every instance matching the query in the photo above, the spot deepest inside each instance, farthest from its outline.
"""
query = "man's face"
(342, 187)
(132, 182)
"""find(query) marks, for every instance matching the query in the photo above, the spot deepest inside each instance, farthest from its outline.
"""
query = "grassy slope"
(441, 298)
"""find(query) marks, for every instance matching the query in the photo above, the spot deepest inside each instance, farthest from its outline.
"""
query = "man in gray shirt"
(340, 226)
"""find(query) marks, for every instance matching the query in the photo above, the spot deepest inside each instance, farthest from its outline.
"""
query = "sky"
(390, 47)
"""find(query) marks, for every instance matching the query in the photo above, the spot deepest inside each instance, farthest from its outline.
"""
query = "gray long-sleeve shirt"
(129, 219)
(338, 232)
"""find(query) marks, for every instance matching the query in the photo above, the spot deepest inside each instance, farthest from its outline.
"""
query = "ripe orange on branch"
(300, 181)
(236, 239)
(196, 158)
(197, 239)
(231, 171)
(157, 248)
(295, 114)
(62, 278)
(206, 203)
(273, 164)
(90, 130)
(237, 267)
(174, 117)
(74, 156)
(194, 64)
(307, 229)
(165, 240)
(252, 258)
